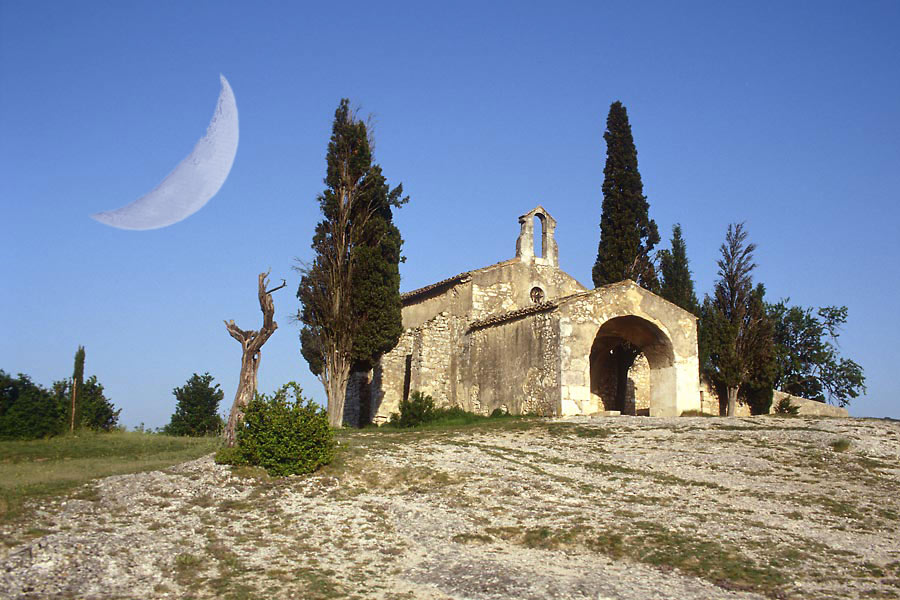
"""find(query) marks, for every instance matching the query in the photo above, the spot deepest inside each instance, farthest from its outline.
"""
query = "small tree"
(97, 411)
(677, 286)
(808, 362)
(736, 333)
(196, 408)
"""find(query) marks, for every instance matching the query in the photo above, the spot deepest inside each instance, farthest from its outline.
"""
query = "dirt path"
(621, 507)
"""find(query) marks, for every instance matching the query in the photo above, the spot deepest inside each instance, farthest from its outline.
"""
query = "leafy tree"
(196, 407)
(94, 409)
(736, 333)
(97, 411)
(350, 292)
(627, 233)
(27, 410)
(807, 357)
(77, 384)
(677, 286)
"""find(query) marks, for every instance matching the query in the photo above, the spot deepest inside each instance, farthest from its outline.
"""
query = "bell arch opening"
(632, 367)
(540, 239)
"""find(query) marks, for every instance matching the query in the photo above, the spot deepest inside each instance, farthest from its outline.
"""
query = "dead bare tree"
(251, 345)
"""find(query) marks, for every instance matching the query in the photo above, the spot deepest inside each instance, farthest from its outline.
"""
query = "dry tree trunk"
(251, 345)
(732, 401)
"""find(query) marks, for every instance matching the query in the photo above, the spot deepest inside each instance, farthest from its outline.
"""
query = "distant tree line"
(747, 346)
(29, 410)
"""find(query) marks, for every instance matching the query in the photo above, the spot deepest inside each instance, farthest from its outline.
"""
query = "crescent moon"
(193, 182)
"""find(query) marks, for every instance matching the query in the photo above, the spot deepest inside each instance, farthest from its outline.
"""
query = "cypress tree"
(376, 283)
(677, 286)
(627, 233)
(350, 293)
(77, 385)
(736, 333)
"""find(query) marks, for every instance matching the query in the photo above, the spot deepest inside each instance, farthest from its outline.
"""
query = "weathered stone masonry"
(524, 336)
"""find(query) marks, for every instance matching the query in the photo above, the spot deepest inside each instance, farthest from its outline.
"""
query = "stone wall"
(809, 408)
(520, 335)
(512, 365)
(666, 334)
(711, 404)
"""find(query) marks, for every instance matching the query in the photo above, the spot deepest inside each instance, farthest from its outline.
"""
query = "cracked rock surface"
(622, 508)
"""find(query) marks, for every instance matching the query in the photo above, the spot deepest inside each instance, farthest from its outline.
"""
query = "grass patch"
(44, 468)
(654, 544)
(696, 413)
(840, 445)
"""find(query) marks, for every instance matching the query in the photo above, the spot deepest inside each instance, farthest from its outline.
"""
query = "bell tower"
(525, 242)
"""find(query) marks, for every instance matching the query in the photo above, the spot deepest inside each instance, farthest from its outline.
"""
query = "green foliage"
(784, 407)
(350, 292)
(627, 233)
(27, 410)
(97, 411)
(419, 411)
(93, 409)
(808, 362)
(375, 296)
(677, 286)
(77, 384)
(737, 351)
(284, 433)
(196, 408)
(45, 467)
(230, 455)
(416, 410)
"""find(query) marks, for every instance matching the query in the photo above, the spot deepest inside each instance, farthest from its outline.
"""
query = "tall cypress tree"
(77, 387)
(627, 233)
(350, 293)
(677, 286)
(376, 282)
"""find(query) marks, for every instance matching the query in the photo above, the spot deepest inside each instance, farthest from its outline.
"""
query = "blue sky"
(784, 115)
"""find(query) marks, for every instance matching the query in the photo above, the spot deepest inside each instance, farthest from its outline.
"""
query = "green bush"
(416, 410)
(230, 456)
(27, 410)
(784, 407)
(419, 410)
(285, 434)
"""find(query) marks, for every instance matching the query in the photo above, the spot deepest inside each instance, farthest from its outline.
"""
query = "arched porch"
(621, 347)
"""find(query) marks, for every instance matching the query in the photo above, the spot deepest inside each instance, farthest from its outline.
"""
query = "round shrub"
(417, 410)
(285, 434)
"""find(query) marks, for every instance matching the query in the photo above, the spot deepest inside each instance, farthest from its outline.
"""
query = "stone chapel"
(524, 336)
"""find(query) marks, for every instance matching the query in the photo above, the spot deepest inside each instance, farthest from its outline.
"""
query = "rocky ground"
(616, 507)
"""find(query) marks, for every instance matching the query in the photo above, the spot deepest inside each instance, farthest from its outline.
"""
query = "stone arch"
(632, 335)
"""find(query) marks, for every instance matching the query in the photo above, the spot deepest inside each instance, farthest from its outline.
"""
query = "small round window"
(537, 295)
